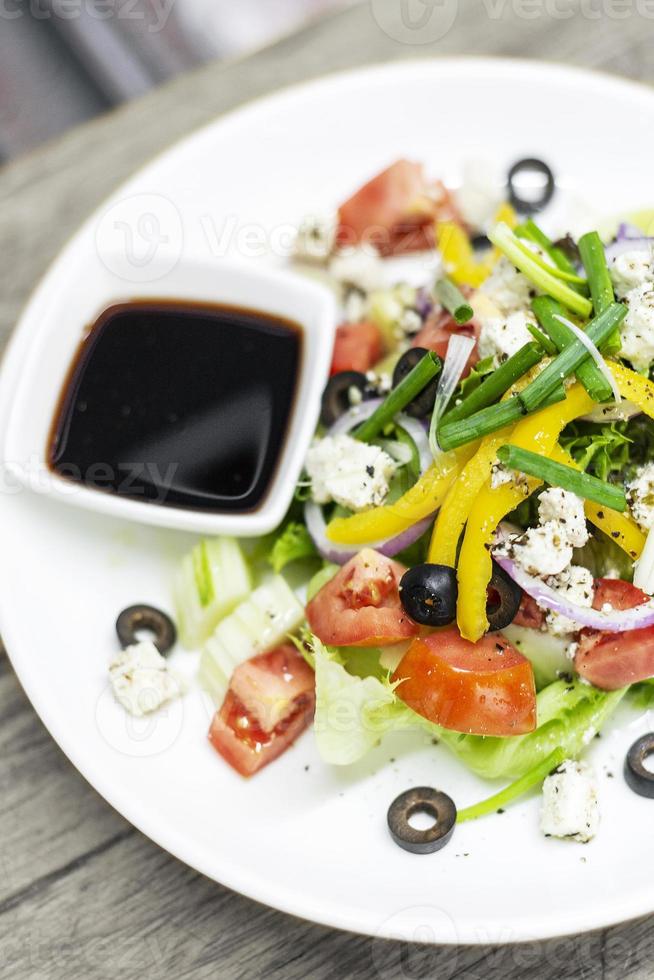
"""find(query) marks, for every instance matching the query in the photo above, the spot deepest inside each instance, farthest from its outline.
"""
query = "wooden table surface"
(83, 894)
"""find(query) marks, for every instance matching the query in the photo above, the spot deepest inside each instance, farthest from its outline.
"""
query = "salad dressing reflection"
(182, 403)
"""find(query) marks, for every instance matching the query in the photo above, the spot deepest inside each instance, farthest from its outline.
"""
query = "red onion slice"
(340, 553)
(359, 413)
(623, 245)
(616, 621)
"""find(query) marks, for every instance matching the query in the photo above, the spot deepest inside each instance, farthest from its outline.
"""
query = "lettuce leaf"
(293, 543)
(352, 713)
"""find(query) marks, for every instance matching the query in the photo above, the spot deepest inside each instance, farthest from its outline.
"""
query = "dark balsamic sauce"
(181, 403)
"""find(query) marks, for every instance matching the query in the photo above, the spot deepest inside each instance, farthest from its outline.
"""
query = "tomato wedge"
(483, 688)
(357, 347)
(360, 606)
(613, 660)
(396, 211)
(270, 701)
(437, 331)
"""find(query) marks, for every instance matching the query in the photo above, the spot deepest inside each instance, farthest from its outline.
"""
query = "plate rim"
(238, 877)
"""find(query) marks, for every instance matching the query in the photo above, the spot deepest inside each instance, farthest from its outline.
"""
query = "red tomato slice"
(396, 211)
(612, 660)
(529, 614)
(483, 688)
(617, 593)
(360, 606)
(437, 331)
(357, 347)
(270, 701)
(380, 203)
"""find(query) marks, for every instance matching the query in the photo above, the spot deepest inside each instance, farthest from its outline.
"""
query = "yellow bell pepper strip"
(458, 255)
(538, 432)
(634, 387)
(461, 496)
(620, 527)
(421, 500)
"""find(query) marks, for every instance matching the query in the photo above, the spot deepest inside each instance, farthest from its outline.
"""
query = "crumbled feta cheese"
(501, 476)
(504, 335)
(640, 494)
(575, 584)
(568, 509)
(637, 328)
(542, 550)
(570, 805)
(508, 289)
(354, 306)
(315, 237)
(632, 269)
(351, 473)
(359, 267)
(410, 322)
(141, 680)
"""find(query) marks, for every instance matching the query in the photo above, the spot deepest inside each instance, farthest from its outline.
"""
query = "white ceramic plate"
(299, 836)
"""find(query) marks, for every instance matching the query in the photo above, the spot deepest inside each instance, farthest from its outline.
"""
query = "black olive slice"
(480, 242)
(138, 619)
(428, 593)
(530, 185)
(336, 396)
(422, 404)
(423, 799)
(504, 596)
(638, 778)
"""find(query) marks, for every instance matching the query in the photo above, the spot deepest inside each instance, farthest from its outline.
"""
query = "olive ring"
(525, 205)
(137, 618)
(638, 778)
(422, 799)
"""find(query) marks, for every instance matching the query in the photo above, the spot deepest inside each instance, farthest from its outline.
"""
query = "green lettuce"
(293, 543)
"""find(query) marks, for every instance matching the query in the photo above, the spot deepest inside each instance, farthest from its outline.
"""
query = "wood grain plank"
(82, 895)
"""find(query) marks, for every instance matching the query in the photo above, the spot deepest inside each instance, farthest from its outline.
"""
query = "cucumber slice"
(212, 580)
(548, 654)
(258, 624)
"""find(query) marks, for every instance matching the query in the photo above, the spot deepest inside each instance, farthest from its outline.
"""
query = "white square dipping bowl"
(47, 339)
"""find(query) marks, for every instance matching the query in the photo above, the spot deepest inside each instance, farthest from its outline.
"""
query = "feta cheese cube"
(141, 680)
(504, 335)
(570, 804)
(632, 269)
(359, 267)
(640, 494)
(568, 510)
(575, 584)
(542, 550)
(315, 237)
(350, 473)
(507, 288)
(637, 328)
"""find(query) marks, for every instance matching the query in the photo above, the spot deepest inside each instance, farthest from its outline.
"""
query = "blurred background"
(65, 61)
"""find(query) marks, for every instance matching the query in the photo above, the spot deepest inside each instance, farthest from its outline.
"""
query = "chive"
(547, 311)
(593, 257)
(567, 362)
(397, 399)
(539, 237)
(496, 384)
(489, 420)
(560, 475)
(542, 339)
(524, 260)
(529, 229)
(449, 296)
(534, 777)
